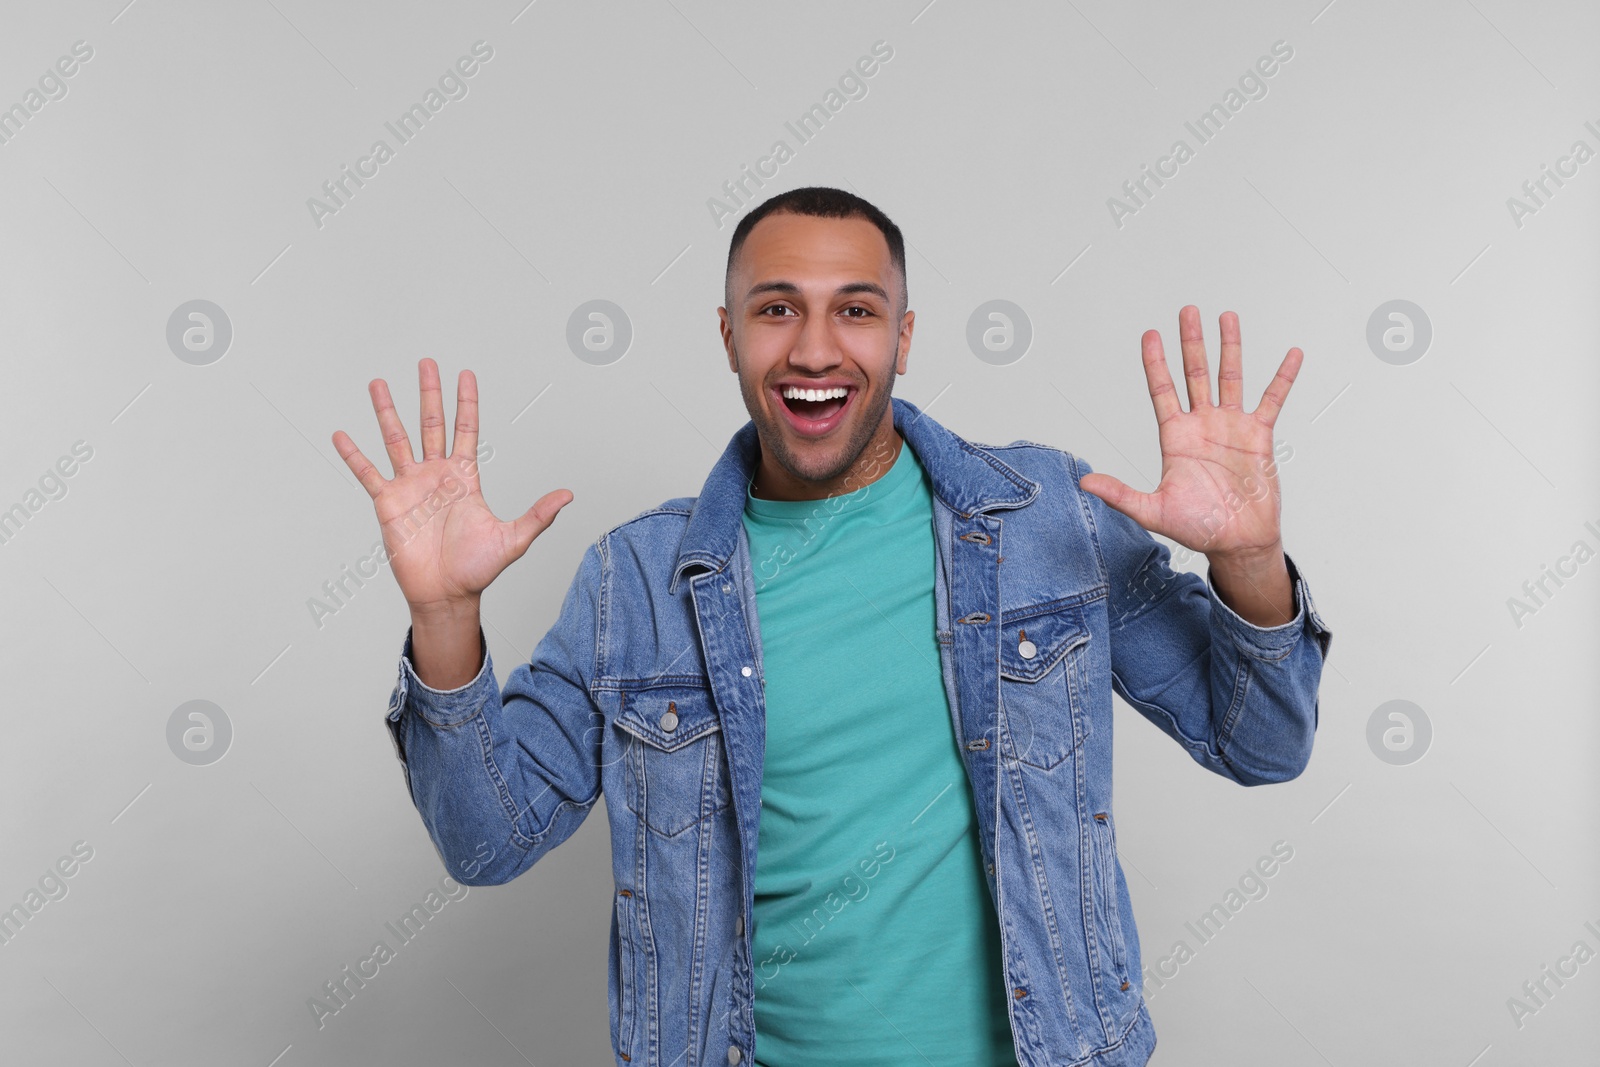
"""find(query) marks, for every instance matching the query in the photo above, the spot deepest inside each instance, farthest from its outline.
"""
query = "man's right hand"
(444, 544)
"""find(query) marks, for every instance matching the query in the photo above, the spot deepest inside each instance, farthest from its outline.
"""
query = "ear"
(725, 327)
(903, 343)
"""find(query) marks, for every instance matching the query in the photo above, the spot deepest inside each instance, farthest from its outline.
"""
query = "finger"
(359, 465)
(537, 519)
(1194, 357)
(432, 409)
(466, 439)
(1278, 389)
(1140, 507)
(1230, 372)
(395, 441)
(1163, 394)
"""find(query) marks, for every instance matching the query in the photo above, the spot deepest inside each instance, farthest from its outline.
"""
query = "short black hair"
(820, 201)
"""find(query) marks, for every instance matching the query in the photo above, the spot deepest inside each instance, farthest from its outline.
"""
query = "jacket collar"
(965, 479)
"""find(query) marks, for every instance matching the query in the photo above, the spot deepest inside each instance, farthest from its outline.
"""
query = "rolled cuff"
(1273, 642)
(440, 707)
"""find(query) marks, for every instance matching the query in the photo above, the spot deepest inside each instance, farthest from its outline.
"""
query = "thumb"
(1140, 507)
(537, 519)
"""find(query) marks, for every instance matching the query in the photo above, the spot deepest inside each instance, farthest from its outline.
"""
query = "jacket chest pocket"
(1041, 682)
(676, 774)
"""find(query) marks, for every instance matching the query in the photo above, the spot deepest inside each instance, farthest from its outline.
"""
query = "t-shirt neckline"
(900, 473)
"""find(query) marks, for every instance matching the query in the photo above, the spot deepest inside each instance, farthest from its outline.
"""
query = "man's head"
(815, 297)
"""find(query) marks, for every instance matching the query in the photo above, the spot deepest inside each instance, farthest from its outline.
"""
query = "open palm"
(1219, 485)
(444, 544)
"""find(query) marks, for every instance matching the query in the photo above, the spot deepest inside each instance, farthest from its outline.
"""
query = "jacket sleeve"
(502, 778)
(1240, 698)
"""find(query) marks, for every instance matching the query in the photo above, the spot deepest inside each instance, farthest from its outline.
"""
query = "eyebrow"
(791, 289)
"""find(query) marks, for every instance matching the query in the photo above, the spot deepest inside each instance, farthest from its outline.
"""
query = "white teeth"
(791, 392)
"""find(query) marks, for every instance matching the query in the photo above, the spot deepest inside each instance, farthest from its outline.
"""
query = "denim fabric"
(648, 688)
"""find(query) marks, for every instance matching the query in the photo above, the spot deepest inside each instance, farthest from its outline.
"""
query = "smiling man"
(816, 327)
(851, 707)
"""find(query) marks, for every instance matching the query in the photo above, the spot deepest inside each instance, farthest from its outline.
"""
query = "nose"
(815, 349)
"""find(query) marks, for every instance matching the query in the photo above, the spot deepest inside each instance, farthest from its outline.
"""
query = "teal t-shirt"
(875, 938)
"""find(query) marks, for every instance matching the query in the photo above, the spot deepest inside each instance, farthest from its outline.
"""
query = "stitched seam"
(638, 731)
(1047, 663)
(1088, 513)
(1100, 1052)
(1108, 884)
(1004, 471)
(1084, 598)
(485, 745)
(656, 681)
(603, 550)
(1241, 690)
(1018, 443)
(1041, 890)
(652, 513)
(1234, 763)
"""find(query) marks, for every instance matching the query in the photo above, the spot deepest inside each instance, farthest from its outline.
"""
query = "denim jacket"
(648, 689)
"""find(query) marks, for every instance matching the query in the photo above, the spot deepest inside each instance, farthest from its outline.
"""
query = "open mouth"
(816, 417)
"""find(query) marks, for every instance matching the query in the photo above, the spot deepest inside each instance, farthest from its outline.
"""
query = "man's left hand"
(1219, 484)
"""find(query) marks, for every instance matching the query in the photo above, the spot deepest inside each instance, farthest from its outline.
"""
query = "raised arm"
(1221, 664)
(499, 779)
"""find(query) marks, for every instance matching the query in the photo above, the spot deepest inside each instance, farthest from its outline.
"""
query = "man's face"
(812, 304)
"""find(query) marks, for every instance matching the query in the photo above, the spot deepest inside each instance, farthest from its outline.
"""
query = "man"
(851, 706)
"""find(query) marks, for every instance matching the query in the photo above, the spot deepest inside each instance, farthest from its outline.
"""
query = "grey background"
(179, 563)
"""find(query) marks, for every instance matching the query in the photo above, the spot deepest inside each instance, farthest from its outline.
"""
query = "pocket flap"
(668, 717)
(1034, 639)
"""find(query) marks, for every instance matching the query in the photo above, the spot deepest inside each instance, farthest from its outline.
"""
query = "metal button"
(669, 721)
(738, 926)
(1025, 648)
(746, 672)
(733, 1053)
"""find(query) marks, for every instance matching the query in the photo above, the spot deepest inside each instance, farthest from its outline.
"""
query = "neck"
(772, 482)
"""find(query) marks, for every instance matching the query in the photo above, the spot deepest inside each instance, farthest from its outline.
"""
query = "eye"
(774, 307)
(857, 307)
